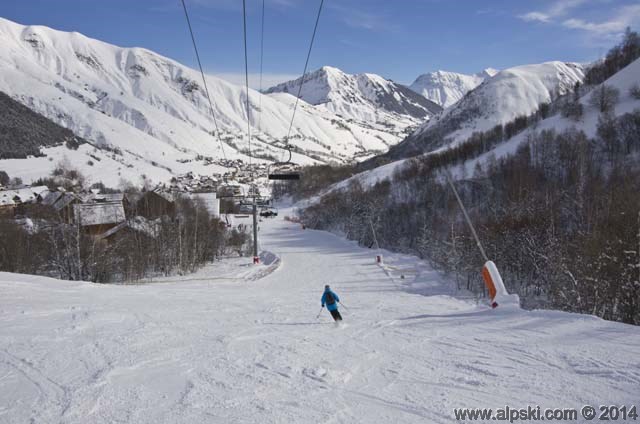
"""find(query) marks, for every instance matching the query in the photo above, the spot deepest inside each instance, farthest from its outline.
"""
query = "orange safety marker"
(493, 281)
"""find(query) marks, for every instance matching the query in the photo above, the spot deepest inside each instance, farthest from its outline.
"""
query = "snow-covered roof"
(6, 200)
(59, 200)
(51, 198)
(103, 197)
(169, 197)
(88, 214)
(23, 195)
(141, 224)
(65, 200)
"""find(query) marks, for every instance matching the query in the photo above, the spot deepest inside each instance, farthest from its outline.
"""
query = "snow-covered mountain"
(362, 98)
(510, 93)
(622, 81)
(446, 88)
(151, 112)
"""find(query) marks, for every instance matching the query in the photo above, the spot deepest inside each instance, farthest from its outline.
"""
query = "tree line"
(24, 132)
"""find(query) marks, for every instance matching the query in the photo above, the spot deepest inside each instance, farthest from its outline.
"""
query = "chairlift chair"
(284, 170)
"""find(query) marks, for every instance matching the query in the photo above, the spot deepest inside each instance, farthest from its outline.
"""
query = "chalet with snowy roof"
(122, 198)
(13, 201)
(61, 203)
(97, 218)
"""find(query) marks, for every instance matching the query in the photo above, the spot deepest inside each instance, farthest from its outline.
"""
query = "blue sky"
(398, 39)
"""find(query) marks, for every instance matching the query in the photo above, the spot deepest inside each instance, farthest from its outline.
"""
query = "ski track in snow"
(251, 351)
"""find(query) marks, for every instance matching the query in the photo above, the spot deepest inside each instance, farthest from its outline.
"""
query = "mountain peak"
(487, 73)
(362, 97)
(331, 70)
(446, 88)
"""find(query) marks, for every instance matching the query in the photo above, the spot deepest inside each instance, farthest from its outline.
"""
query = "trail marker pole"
(490, 274)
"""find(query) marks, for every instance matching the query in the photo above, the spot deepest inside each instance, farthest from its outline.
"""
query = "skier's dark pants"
(336, 315)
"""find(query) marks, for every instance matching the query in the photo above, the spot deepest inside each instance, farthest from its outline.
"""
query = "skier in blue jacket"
(331, 300)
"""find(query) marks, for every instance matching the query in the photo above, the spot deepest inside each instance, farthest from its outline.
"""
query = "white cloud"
(558, 9)
(535, 16)
(562, 7)
(624, 17)
(268, 79)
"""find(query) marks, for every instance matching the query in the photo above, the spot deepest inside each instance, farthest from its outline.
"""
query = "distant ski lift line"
(283, 173)
(246, 78)
(261, 62)
(204, 80)
(304, 72)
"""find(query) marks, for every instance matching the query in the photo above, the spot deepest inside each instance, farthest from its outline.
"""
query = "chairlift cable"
(253, 183)
(261, 62)
(246, 79)
(304, 72)
(204, 80)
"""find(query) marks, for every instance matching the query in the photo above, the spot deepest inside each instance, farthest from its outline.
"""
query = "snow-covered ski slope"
(223, 350)
(154, 109)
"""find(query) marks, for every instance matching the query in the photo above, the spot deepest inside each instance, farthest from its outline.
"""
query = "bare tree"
(604, 98)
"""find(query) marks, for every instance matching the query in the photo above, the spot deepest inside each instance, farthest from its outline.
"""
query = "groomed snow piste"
(221, 347)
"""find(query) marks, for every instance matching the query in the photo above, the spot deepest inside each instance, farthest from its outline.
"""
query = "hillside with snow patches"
(510, 93)
(367, 99)
(446, 88)
(143, 113)
(622, 81)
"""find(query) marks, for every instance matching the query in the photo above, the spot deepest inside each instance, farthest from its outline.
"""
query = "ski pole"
(342, 304)
(318, 316)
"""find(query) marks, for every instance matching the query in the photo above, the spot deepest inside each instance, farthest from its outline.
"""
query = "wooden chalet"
(156, 204)
(97, 218)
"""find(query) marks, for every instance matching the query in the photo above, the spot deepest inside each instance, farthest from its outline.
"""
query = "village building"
(14, 201)
(156, 204)
(61, 203)
(7, 207)
(97, 218)
(138, 227)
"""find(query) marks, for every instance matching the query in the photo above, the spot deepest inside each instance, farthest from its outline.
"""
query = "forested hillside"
(23, 132)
